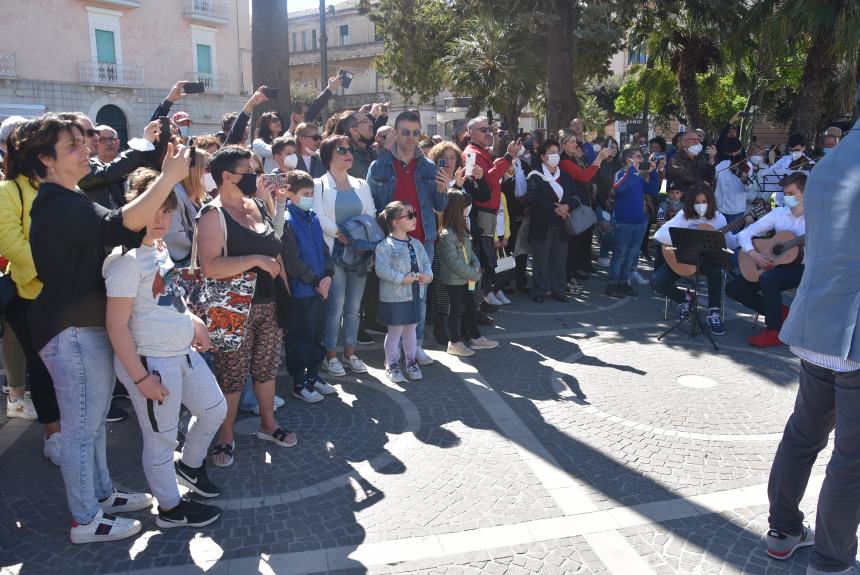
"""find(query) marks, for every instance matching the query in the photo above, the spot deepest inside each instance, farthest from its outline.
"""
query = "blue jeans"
(80, 361)
(625, 252)
(430, 248)
(344, 301)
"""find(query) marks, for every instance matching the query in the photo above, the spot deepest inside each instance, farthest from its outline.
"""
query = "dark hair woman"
(269, 127)
(68, 237)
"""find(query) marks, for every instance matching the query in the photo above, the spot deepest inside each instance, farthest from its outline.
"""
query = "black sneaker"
(715, 322)
(614, 290)
(363, 338)
(482, 319)
(196, 479)
(115, 413)
(684, 311)
(188, 514)
(627, 289)
(376, 327)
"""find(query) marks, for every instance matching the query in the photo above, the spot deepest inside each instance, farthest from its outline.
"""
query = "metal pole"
(323, 54)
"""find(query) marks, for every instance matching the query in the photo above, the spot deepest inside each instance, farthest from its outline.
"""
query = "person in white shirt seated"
(733, 177)
(765, 297)
(700, 207)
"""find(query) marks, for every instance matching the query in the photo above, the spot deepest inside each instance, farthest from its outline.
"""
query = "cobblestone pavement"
(580, 445)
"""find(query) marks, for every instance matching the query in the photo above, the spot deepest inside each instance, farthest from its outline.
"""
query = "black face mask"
(248, 184)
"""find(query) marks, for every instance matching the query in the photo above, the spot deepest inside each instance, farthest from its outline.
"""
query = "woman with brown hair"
(190, 195)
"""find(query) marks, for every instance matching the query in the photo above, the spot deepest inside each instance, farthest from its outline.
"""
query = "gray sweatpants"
(190, 382)
(825, 399)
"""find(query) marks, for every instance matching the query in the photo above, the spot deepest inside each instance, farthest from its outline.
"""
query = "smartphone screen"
(270, 93)
(442, 163)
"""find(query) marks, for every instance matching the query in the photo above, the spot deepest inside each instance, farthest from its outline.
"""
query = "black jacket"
(543, 202)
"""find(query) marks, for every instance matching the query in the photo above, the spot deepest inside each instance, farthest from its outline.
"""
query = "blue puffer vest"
(309, 239)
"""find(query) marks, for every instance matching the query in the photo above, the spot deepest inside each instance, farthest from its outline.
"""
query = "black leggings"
(41, 384)
(461, 296)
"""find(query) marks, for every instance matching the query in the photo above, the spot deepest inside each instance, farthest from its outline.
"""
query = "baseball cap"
(180, 117)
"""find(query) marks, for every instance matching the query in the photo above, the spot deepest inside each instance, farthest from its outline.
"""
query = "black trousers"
(41, 384)
(303, 349)
(461, 296)
(370, 301)
(765, 297)
(579, 252)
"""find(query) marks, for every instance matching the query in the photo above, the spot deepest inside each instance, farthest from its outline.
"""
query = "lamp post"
(323, 52)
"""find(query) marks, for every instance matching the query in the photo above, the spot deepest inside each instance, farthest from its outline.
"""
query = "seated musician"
(700, 207)
(765, 296)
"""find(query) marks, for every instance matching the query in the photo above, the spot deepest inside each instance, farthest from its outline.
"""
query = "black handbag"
(7, 286)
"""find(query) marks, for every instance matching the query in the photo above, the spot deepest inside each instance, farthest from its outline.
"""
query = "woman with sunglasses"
(338, 197)
(308, 139)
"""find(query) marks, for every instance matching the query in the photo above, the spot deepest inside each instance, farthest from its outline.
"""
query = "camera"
(657, 156)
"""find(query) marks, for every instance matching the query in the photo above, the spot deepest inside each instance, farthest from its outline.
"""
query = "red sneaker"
(766, 338)
(785, 309)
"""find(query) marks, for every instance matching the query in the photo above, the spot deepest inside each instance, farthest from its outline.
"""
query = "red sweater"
(494, 171)
(581, 175)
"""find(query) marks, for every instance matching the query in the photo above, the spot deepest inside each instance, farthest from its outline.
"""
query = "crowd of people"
(335, 232)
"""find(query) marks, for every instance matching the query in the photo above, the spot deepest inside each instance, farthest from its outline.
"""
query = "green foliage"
(659, 84)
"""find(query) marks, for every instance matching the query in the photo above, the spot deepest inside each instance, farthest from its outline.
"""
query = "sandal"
(225, 449)
(281, 436)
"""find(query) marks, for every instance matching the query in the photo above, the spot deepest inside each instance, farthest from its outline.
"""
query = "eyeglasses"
(90, 133)
(483, 129)
(413, 133)
(315, 137)
(109, 140)
(410, 215)
(341, 150)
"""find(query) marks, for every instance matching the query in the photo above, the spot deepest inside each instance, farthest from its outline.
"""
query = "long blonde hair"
(193, 182)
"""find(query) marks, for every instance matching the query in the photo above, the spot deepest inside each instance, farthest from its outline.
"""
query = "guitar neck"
(734, 225)
(798, 241)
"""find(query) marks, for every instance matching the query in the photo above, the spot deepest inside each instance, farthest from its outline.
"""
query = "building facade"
(115, 60)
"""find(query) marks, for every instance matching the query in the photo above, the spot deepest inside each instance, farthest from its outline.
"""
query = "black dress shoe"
(560, 297)
(538, 299)
(524, 289)
(489, 308)
(376, 327)
(484, 319)
(580, 275)
(363, 338)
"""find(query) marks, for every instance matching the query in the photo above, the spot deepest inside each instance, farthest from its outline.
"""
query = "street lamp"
(323, 52)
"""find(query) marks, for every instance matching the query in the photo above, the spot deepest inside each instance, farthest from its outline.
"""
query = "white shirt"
(264, 150)
(731, 192)
(779, 219)
(781, 167)
(681, 221)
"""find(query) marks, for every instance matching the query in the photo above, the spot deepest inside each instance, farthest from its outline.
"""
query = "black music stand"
(698, 247)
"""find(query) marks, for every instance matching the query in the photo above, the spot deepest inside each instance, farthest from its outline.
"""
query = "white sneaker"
(638, 279)
(394, 374)
(354, 364)
(500, 295)
(460, 349)
(21, 409)
(104, 527)
(308, 393)
(52, 448)
(333, 366)
(324, 387)
(483, 343)
(603, 262)
(422, 358)
(119, 502)
(491, 299)
(413, 371)
(279, 403)
(6, 389)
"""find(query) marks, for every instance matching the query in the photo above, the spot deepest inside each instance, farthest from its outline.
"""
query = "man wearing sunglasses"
(308, 138)
(407, 175)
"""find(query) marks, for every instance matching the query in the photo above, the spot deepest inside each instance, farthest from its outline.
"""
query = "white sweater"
(681, 221)
(779, 219)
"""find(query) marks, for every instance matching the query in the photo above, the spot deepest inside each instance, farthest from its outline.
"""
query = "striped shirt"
(831, 362)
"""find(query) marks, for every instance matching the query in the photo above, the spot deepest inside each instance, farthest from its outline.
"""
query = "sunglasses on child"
(410, 215)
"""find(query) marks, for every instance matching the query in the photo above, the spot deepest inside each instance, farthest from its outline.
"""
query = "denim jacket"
(380, 178)
(393, 264)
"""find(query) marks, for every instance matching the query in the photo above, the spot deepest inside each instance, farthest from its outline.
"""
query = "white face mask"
(291, 161)
(695, 149)
(552, 160)
(796, 155)
(701, 209)
(596, 147)
(209, 182)
(521, 152)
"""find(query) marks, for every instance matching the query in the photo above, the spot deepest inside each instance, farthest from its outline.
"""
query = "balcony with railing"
(337, 53)
(213, 83)
(8, 65)
(107, 74)
(208, 11)
(116, 3)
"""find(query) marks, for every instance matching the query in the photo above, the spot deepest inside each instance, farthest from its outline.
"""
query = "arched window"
(115, 118)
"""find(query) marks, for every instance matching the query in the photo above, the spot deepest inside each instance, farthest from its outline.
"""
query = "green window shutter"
(105, 47)
(204, 59)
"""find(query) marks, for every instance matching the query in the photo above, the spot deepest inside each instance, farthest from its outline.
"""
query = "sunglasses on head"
(315, 137)
(341, 150)
(410, 215)
(413, 133)
(90, 133)
(483, 129)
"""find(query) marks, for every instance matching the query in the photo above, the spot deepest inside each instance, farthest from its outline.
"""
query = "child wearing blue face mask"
(310, 268)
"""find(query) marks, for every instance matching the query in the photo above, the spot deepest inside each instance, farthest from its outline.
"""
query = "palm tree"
(830, 31)
(491, 62)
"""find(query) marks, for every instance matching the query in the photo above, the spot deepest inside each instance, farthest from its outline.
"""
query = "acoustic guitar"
(783, 248)
(686, 270)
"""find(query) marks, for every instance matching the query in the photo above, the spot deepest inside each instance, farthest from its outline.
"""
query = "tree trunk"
(561, 103)
(270, 56)
(818, 71)
(689, 91)
(646, 101)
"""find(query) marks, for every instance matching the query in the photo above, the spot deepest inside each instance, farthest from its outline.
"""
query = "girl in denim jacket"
(404, 272)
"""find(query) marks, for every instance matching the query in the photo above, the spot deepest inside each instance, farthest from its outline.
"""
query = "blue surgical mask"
(306, 203)
(825, 151)
(791, 201)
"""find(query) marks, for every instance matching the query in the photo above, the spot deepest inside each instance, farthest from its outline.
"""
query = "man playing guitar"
(765, 296)
(700, 207)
